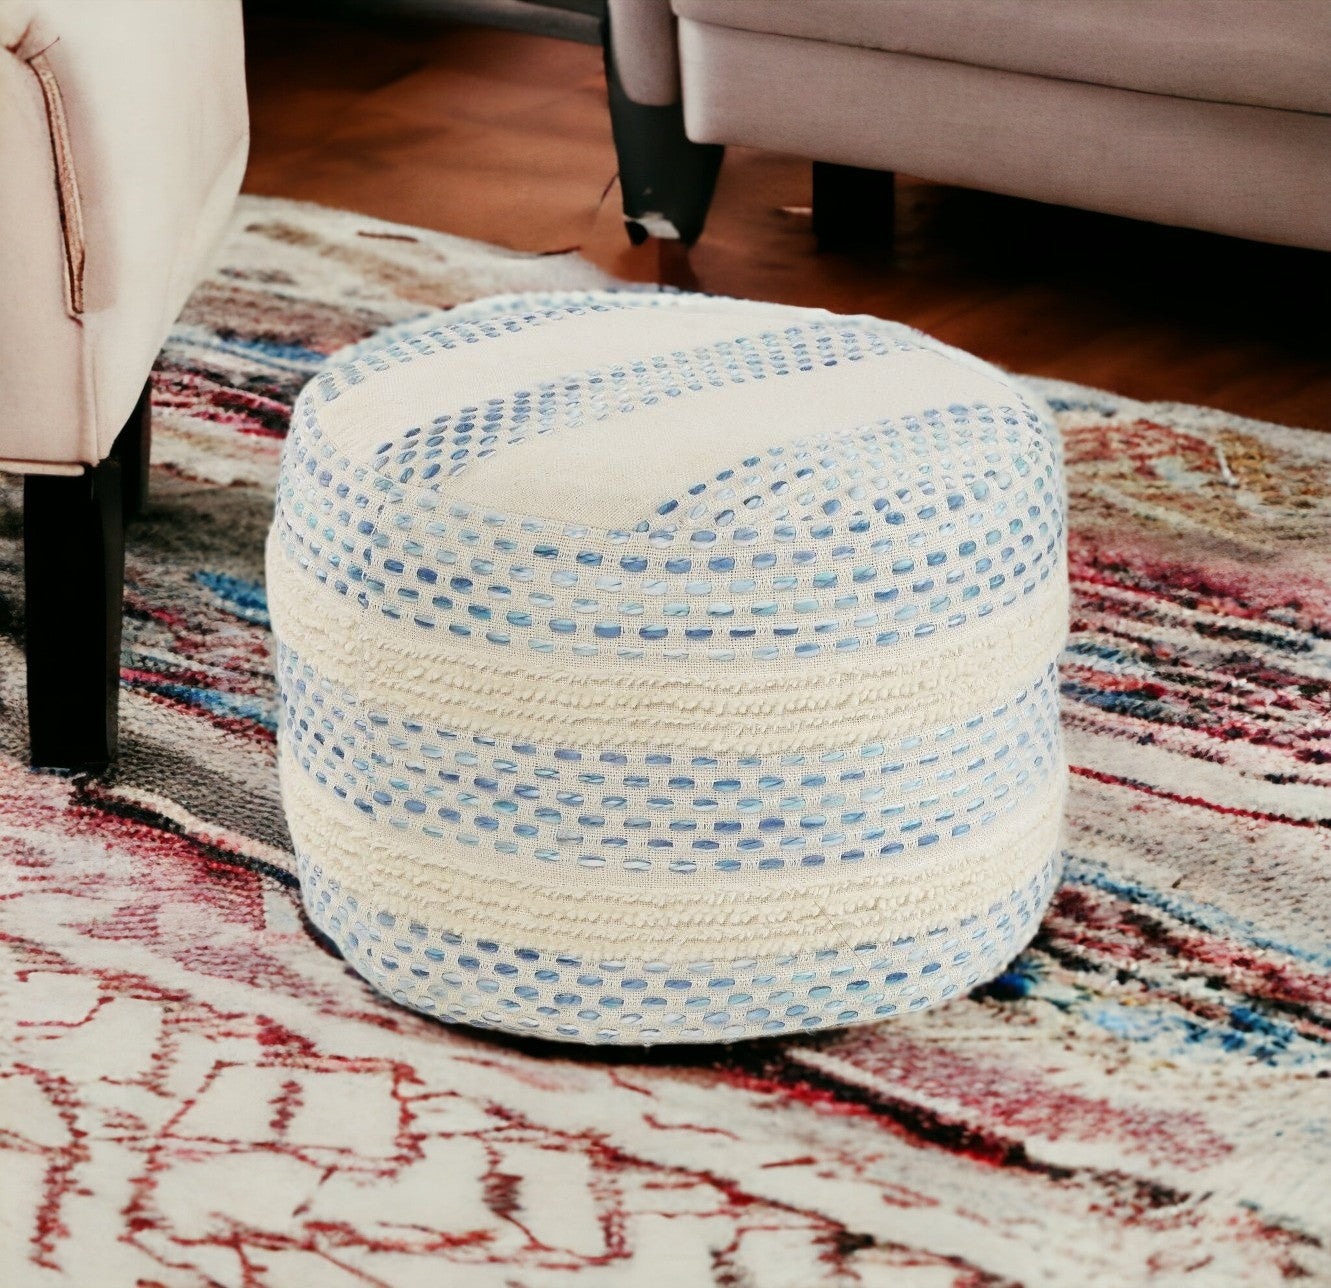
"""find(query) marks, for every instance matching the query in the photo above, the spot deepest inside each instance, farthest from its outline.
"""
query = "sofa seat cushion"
(1264, 53)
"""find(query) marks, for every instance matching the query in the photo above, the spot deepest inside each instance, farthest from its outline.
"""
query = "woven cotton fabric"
(660, 668)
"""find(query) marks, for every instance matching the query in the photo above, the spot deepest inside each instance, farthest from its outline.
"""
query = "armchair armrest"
(123, 136)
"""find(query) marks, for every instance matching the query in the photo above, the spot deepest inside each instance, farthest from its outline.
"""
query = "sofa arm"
(642, 45)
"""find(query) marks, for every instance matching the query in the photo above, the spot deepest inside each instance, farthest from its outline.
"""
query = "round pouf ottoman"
(658, 668)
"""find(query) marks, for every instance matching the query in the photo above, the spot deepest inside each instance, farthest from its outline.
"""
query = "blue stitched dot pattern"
(662, 668)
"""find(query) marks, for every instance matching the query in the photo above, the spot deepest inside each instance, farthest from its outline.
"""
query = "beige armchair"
(123, 138)
(1211, 114)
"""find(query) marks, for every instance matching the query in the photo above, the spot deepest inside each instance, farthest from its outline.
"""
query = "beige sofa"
(123, 138)
(1211, 114)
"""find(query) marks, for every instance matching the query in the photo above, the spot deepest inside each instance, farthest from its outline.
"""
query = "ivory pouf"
(658, 668)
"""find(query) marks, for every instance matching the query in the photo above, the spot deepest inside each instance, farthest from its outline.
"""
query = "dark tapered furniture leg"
(852, 208)
(666, 179)
(133, 449)
(74, 575)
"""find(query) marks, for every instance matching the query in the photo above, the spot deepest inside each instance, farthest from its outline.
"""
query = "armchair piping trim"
(62, 153)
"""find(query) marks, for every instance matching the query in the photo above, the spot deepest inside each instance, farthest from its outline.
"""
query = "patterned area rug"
(196, 1092)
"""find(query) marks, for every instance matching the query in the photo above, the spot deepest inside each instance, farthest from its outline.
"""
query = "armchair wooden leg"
(852, 208)
(74, 580)
(133, 449)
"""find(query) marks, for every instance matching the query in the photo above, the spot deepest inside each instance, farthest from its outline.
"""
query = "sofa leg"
(666, 179)
(852, 208)
(133, 449)
(74, 576)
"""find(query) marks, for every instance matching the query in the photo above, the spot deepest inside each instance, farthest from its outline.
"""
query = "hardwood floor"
(504, 137)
